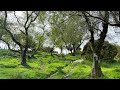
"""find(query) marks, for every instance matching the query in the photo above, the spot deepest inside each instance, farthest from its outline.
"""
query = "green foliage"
(5, 53)
(40, 68)
(72, 58)
(66, 31)
(17, 75)
(118, 54)
(108, 52)
(46, 49)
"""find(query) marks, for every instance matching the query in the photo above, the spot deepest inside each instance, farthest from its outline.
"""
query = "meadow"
(45, 66)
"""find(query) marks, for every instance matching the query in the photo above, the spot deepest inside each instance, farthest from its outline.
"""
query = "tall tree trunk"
(23, 57)
(96, 69)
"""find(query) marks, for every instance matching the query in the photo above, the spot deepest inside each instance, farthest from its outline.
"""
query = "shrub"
(108, 51)
(4, 52)
(118, 54)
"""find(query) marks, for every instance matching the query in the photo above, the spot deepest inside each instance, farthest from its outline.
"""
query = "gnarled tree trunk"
(96, 69)
(23, 57)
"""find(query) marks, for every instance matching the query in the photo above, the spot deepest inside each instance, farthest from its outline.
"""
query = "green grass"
(44, 66)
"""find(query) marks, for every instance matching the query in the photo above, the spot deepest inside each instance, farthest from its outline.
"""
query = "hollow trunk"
(96, 69)
(23, 57)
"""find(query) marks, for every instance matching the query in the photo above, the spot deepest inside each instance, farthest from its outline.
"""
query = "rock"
(79, 60)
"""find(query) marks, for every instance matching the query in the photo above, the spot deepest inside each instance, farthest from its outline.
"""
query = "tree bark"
(23, 57)
(96, 69)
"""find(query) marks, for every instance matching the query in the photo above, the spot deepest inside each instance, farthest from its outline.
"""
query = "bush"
(4, 52)
(118, 54)
(48, 49)
(108, 51)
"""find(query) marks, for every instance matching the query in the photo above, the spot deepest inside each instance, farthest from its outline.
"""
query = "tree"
(56, 28)
(108, 51)
(96, 49)
(39, 36)
(22, 30)
(73, 34)
(67, 31)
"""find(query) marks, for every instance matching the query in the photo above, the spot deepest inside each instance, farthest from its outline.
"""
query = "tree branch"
(28, 16)
(32, 20)
(9, 46)
(5, 24)
(117, 24)
(17, 19)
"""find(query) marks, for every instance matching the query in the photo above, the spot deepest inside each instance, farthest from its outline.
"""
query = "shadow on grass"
(7, 66)
(27, 66)
(14, 66)
(89, 77)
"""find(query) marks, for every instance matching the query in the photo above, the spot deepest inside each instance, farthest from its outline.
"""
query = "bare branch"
(5, 24)
(28, 16)
(9, 46)
(22, 32)
(117, 24)
(32, 20)
(18, 19)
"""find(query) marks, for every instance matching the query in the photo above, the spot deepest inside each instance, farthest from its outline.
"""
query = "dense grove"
(29, 39)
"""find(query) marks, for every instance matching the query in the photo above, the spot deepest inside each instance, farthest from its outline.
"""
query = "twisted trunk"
(23, 57)
(96, 69)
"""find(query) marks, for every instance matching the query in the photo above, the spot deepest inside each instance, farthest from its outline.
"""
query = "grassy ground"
(44, 66)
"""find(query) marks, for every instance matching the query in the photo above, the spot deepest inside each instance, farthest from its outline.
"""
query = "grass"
(44, 66)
